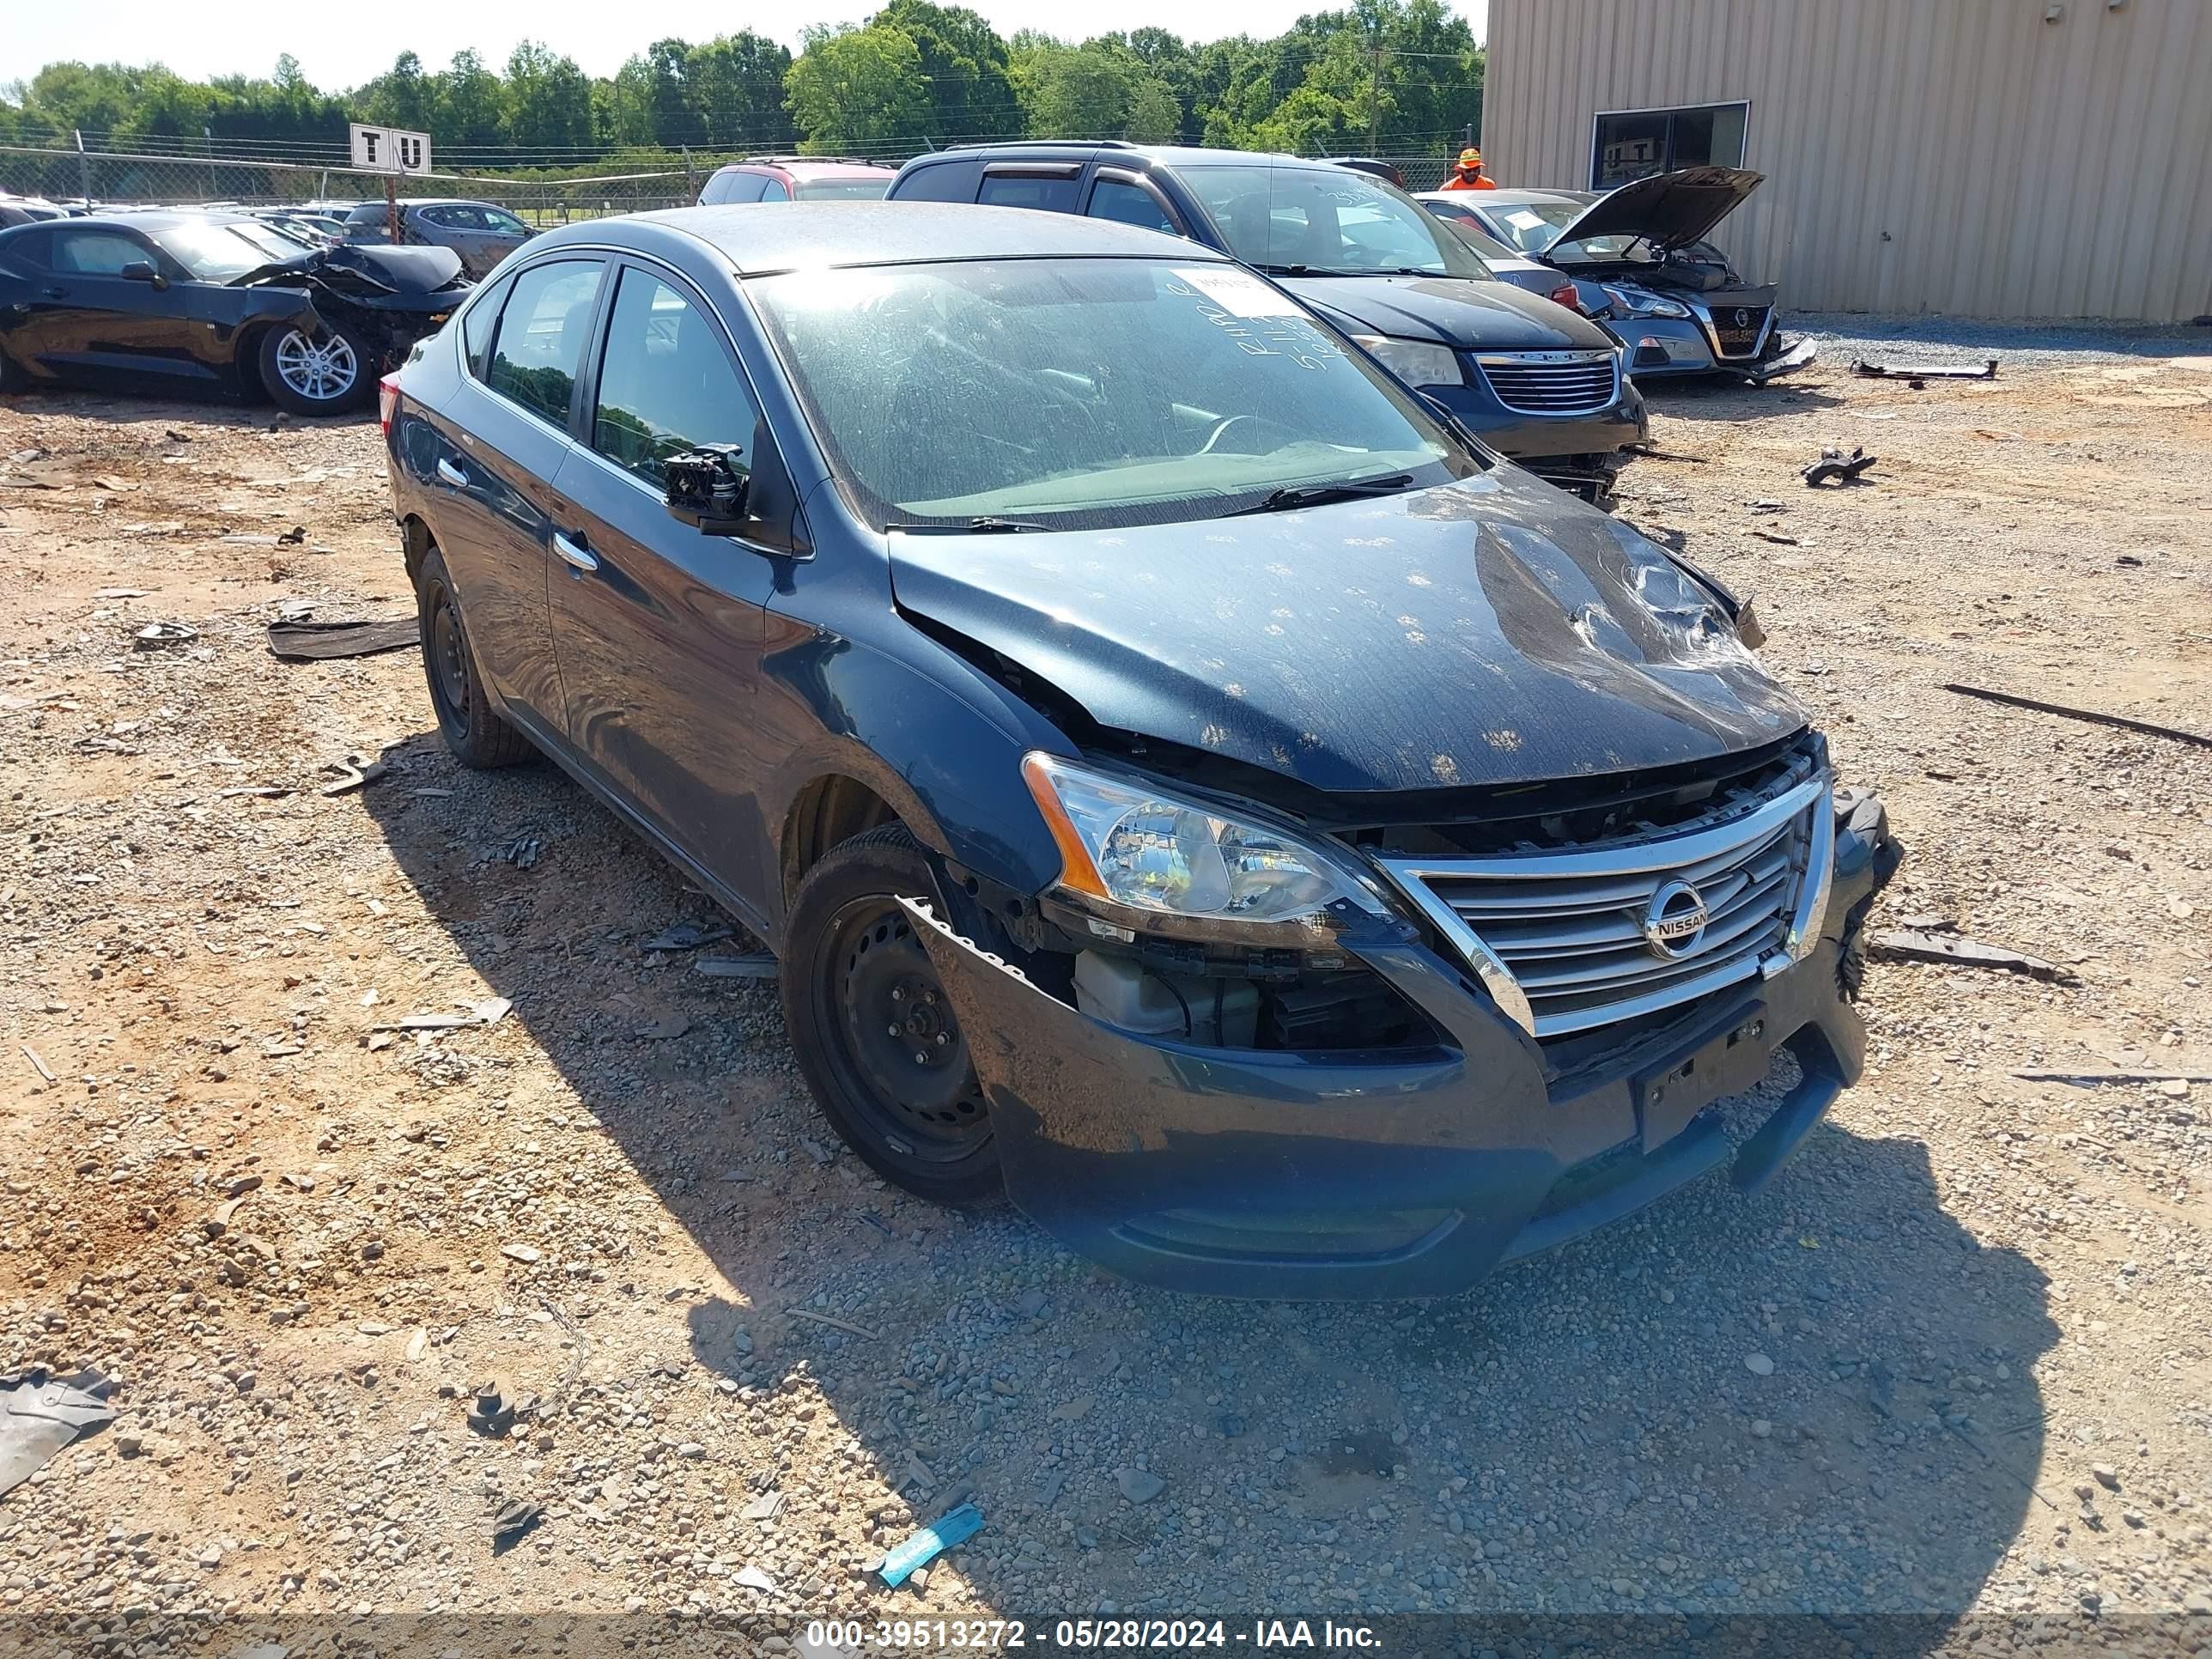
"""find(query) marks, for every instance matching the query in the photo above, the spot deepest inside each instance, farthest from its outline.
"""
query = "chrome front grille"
(1571, 941)
(1552, 382)
(1736, 331)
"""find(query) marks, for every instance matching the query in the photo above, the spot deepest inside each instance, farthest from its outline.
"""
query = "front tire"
(875, 1036)
(471, 727)
(319, 371)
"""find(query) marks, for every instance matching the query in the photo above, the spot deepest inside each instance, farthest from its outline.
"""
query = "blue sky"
(341, 45)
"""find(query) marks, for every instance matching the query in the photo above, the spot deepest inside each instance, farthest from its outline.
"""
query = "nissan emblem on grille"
(1674, 920)
(1742, 319)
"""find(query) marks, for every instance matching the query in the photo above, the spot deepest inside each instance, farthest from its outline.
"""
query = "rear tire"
(875, 1036)
(326, 371)
(471, 727)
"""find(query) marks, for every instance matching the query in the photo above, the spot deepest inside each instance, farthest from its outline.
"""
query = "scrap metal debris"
(931, 1542)
(490, 1011)
(1836, 467)
(159, 635)
(2148, 728)
(1905, 945)
(42, 1414)
(1917, 372)
(295, 639)
(1796, 357)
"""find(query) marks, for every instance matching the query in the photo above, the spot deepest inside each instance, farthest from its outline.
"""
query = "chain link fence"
(103, 179)
(67, 176)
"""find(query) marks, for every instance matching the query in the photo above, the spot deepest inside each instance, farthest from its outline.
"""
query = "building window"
(1636, 143)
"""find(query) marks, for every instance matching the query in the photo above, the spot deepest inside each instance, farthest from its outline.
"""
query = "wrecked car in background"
(170, 302)
(1189, 785)
(1639, 260)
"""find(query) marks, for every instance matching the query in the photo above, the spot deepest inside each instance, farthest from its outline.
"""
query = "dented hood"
(1668, 209)
(403, 272)
(1484, 632)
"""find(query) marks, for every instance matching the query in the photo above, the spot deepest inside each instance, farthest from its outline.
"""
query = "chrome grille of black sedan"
(1552, 382)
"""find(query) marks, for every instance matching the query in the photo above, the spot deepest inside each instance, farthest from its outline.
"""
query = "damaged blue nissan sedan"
(1189, 785)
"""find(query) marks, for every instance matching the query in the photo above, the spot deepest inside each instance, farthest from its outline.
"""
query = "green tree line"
(1399, 77)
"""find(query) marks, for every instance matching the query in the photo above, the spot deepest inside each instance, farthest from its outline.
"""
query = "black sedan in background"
(1189, 786)
(165, 302)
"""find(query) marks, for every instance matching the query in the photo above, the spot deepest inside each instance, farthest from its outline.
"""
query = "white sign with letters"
(389, 149)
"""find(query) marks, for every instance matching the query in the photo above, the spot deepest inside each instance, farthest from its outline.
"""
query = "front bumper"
(1555, 448)
(1405, 1173)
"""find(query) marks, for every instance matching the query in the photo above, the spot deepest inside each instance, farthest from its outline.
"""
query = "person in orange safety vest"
(1469, 175)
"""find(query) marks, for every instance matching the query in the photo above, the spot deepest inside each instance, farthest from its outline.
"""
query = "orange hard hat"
(1470, 158)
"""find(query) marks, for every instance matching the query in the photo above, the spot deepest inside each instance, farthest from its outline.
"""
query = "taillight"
(1566, 295)
(387, 400)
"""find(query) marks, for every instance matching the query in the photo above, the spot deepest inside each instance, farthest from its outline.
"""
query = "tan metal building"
(1983, 158)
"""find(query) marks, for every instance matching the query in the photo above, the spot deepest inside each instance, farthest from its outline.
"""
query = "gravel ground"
(1843, 335)
(1958, 1359)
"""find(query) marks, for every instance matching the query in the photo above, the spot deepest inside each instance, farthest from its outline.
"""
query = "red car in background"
(797, 179)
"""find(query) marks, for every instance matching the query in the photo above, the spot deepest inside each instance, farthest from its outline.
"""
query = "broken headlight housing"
(1140, 856)
(1635, 302)
(1417, 362)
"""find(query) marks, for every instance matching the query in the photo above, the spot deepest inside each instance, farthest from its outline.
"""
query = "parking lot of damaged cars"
(421, 1166)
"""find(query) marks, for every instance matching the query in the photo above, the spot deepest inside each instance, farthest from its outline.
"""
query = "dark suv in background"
(481, 234)
(1538, 383)
(795, 179)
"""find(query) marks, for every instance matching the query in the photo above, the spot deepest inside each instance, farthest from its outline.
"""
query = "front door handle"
(56, 294)
(451, 474)
(574, 554)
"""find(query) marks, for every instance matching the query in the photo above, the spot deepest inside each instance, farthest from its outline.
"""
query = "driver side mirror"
(143, 271)
(707, 488)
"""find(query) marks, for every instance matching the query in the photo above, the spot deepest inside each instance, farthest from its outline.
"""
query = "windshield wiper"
(983, 526)
(1320, 495)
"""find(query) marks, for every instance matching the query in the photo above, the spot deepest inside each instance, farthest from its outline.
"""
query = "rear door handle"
(451, 474)
(574, 554)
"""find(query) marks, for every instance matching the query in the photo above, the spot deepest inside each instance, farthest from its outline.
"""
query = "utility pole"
(1375, 101)
(83, 168)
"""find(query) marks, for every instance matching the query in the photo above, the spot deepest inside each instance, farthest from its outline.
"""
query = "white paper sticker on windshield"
(1237, 292)
(1522, 219)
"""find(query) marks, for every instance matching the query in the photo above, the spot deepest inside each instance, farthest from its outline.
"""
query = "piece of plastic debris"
(120, 593)
(354, 771)
(490, 1011)
(37, 1062)
(2149, 728)
(513, 1520)
(1905, 945)
(1836, 467)
(40, 1415)
(156, 635)
(685, 936)
(754, 1579)
(766, 1507)
(931, 1542)
(759, 965)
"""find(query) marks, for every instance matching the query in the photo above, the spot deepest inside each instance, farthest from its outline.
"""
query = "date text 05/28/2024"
(855, 1635)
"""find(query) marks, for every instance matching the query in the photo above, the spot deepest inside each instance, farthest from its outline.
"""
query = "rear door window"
(1054, 192)
(96, 253)
(543, 328)
(666, 383)
(726, 187)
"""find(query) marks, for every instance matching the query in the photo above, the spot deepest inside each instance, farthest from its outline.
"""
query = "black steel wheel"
(876, 1036)
(471, 727)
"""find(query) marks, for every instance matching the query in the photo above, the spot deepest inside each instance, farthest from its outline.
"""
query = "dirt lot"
(1959, 1358)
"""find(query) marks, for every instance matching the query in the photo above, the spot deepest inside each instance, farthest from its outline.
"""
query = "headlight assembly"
(1140, 855)
(1417, 362)
(1635, 302)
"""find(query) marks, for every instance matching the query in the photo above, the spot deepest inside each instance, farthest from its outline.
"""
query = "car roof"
(757, 238)
(1172, 156)
(152, 219)
(1522, 197)
(809, 167)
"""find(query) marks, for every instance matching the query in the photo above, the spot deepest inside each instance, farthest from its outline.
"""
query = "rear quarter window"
(945, 181)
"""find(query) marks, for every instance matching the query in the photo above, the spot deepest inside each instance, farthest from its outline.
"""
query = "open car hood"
(1668, 210)
(400, 271)
(1490, 631)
